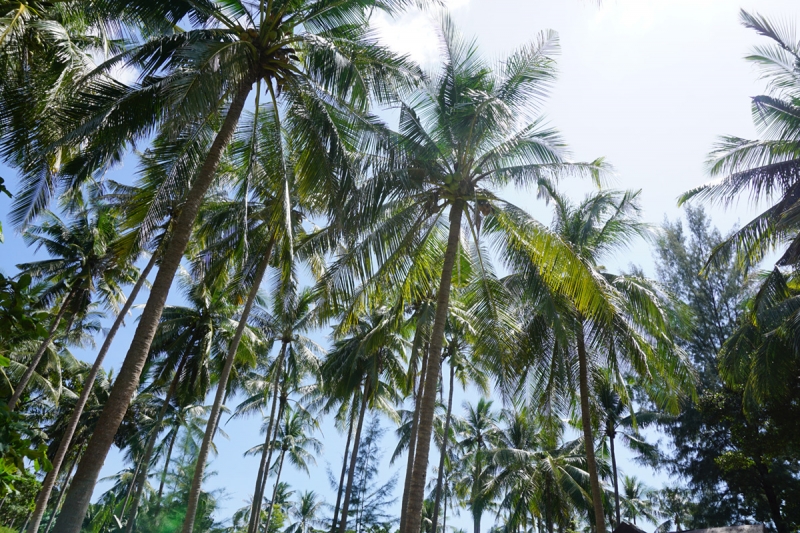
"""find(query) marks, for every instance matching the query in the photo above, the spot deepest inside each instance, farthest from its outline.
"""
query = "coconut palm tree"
(765, 168)
(612, 405)
(305, 513)
(294, 439)
(539, 476)
(82, 265)
(365, 369)
(478, 433)
(674, 505)
(631, 334)
(185, 351)
(313, 57)
(638, 501)
(761, 351)
(292, 317)
(470, 130)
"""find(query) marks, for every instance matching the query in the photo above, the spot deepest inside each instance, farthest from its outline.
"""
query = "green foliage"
(20, 318)
(18, 505)
(16, 446)
(716, 443)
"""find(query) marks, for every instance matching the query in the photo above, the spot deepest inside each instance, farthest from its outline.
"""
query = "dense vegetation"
(272, 197)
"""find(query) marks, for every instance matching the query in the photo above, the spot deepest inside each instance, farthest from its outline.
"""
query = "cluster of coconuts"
(252, 34)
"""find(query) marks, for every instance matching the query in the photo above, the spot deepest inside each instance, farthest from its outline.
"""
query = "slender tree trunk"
(444, 514)
(440, 478)
(275, 490)
(266, 453)
(772, 497)
(588, 440)
(25, 525)
(353, 461)
(211, 426)
(131, 488)
(59, 501)
(88, 385)
(141, 478)
(281, 406)
(164, 473)
(476, 523)
(611, 436)
(80, 493)
(427, 402)
(51, 334)
(412, 441)
(344, 471)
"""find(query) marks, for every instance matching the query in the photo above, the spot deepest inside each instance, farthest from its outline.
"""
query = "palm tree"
(637, 500)
(82, 264)
(365, 367)
(305, 513)
(184, 350)
(761, 352)
(674, 504)
(309, 56)
(293, 315)
(765, 167)
(294, 440)
(611, 405)
(469, 131)
(539, 477)
(632, 332)
(479, 434)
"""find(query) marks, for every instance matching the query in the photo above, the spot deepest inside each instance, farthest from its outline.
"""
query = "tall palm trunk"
(416, 494)
(37, 357)
(141, 478)
(444, 515)
(611, 435)
(211, 426)
(344, 471)
(275, 490)
(588, 440)
(477, 478)
(164, 472)
(60, 499)
(88, 384)
(440, 477)
(412, 441)
(353, 460)
(131, 487)
(266, 452)
(80, 492)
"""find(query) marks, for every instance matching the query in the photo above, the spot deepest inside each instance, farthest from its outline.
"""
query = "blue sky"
(648, 84)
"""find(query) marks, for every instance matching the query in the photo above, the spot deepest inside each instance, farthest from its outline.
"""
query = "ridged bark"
(588, 439)
(141, 478)
(412, 441)
(80, 492)
(50, 479)
(413, 511)
(211, 426)
(60, 499)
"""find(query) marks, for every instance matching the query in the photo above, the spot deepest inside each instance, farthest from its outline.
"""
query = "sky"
(647, 84)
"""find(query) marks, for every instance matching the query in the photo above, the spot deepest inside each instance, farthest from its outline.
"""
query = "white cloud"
(414, 32)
